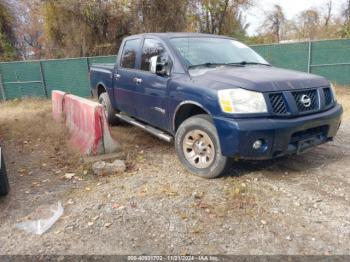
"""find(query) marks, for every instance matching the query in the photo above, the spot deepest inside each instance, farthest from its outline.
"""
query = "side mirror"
(153, 64)
(159, 65)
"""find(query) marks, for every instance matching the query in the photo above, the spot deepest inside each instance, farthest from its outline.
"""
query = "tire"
(4, 183)
(198, 147)
(110, 112)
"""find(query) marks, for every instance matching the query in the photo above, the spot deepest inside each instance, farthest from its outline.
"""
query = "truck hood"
(258, 78)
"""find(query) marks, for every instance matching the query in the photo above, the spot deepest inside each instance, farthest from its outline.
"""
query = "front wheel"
(198, 147)
(4, 183)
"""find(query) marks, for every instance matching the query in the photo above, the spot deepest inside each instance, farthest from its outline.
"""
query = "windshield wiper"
(249, 63)
(209, 64)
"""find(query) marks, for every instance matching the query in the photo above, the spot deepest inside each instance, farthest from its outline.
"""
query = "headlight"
(241, 101)
(333, 92)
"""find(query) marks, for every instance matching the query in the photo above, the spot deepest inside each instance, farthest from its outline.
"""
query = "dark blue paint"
(236, 132)
(238, 135)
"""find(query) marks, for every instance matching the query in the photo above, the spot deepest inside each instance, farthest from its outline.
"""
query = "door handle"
(117, 76)
(137, 80)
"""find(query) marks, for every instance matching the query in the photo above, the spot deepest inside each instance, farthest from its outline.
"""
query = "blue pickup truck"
(217, 98)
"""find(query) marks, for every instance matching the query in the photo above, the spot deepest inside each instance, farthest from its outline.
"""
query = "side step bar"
(154, 131)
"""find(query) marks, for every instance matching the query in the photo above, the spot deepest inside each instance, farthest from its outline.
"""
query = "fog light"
(257, 144)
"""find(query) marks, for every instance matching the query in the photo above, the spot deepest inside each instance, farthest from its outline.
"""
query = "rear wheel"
(198, 147)
(109, 111)
(4, 183)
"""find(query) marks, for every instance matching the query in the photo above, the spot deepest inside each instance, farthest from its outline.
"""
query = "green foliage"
(220, 16)
(7, 39)
(96, 27)
(84, 28)
(160, 15)
(345, 31)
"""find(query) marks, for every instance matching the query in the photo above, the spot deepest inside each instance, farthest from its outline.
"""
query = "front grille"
(307, 100)
(300, 102)
(328, 99)
(278, 104)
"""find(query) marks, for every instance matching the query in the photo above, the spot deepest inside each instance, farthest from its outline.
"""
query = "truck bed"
(101, 74)
(105, 66)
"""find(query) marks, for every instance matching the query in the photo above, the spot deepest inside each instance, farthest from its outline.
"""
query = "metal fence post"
(309, 57)
(43, 78)
(2, 90)
(88, 63)
(88, 73)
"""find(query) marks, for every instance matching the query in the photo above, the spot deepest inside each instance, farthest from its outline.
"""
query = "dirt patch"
(28, 123)
(37, 153)
(343, 96)
(292, 205)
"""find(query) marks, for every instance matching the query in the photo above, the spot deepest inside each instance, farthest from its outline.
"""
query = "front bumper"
(280, 136)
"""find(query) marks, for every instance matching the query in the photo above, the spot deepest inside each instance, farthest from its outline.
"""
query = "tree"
(313, 23)
(7, 36)
(274, 22)
(219, 16)
(85, 27)
(330, 26)
(30, 31)
(328, 13)
(96, 27)
(309, 23)
(346, 12)
(160, 15)
(346, 16)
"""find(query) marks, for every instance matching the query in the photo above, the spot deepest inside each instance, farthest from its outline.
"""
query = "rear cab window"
(128, 59)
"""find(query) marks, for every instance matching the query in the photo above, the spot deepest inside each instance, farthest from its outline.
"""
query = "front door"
(151, 89)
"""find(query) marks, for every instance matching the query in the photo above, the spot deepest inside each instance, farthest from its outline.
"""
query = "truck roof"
(176, 34)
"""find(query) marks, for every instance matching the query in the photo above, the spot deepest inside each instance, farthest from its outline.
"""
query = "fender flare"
(187, 102)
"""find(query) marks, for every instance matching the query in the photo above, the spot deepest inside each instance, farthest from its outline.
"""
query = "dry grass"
(28, 124)
(343, 96)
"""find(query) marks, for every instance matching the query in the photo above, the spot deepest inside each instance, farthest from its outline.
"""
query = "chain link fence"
(329, 58)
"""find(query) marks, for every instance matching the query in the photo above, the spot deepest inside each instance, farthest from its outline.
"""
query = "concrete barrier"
(86, 122)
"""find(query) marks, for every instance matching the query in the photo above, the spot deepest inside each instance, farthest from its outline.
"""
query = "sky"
(255, 15)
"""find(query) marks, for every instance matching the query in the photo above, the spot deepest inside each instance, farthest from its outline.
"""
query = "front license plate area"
(307, 144)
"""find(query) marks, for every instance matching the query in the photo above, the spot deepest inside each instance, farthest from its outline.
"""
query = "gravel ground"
(292, 205)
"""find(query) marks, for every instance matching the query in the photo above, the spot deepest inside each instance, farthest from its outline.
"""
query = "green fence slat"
(339, 74)
(290, 56)
(20, 71)
(24, 90)
(15, 75)
(69, 75)
(331, 52)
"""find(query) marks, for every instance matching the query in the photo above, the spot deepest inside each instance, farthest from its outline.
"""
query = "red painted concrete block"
(86, 122)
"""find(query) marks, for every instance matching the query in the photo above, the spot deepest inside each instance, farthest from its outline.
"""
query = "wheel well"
(100, 89)
(186, 111)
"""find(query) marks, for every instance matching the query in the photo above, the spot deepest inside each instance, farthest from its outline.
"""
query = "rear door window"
(129, 53)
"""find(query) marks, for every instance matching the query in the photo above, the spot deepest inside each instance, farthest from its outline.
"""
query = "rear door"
(123, 78)
(151, 90)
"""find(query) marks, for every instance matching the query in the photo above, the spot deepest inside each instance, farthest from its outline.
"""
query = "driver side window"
(151, 47)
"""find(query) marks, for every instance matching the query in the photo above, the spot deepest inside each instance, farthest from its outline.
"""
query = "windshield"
(206, 51)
